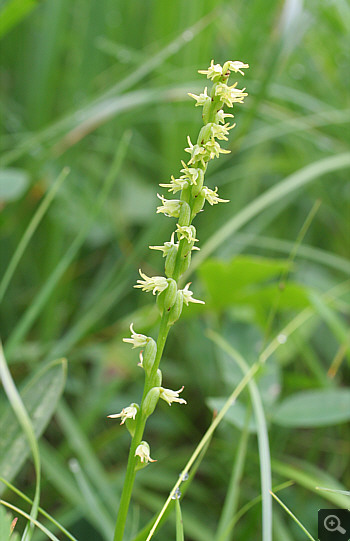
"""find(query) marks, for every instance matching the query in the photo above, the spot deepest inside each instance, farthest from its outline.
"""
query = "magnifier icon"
(332, 524)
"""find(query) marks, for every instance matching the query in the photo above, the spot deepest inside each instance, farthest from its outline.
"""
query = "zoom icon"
(333, 525)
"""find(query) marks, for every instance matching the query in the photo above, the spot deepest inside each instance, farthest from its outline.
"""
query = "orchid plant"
(177, 253)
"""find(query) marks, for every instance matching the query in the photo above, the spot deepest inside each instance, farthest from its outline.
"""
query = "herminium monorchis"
(170, 299)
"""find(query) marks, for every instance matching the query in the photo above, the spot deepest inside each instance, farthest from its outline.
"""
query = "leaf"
(226, 280)
(40, 397)
(13, 183)
(314, 408)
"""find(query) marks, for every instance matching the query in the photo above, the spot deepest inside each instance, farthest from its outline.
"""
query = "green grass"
(100, 87)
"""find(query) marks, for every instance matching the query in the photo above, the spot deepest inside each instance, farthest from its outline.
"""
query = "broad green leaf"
(226, 280)
(314, 408)
(13, 183)
(40, 397)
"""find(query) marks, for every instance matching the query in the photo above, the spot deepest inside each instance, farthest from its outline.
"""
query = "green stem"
(138, 435)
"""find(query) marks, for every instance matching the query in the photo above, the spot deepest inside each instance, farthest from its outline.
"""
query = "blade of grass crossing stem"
(293, 182)
(179, 521)
(141, 536)
(293, 516)
(25, 422)
(232, 494)
(34, 309)
(41, 510)
(33, 521)
(215, 423)
(263, 439)
(29, 232)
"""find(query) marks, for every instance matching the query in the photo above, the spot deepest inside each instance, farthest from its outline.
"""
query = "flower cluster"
(177, 252)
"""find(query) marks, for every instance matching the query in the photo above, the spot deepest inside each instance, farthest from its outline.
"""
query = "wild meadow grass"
(95, 115)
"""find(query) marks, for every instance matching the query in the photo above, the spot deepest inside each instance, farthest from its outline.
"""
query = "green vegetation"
(95, 115)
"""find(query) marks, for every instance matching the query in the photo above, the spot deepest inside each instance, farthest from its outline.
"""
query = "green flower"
(137, 340)
(187, 295)
(127, 413)
(214, 72)
(153, 283)
(171, 396)
(198, 153)
(214, 149)
(202, 98)
(235, 66)
(212, 196)
(170, 207)
(187, 232)
(230, 94)
(166, 246)
(143, 452)
(176, 184)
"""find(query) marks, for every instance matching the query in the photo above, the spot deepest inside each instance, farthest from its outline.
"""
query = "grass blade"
(292, 515)
(29, 232)
(27, 427)
(41, 510)
(263, 439)
(32, 520)
(34, 309)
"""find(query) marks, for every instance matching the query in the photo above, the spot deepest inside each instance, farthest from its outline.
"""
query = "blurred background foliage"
(100, 86)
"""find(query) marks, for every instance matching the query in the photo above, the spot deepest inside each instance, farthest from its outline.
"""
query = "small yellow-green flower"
(143, 452)
(172, 396)
(187, 295)
(212, 196)
(166, 246)
(214, 72)
(170, 207)
(137, 340)
(187, 232)
(176, 184)
(127, 413)
(198, 153)
(156, 284)
(230, 94)
(202, 98)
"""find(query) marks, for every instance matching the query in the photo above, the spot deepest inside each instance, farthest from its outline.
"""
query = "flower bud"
(170, 261)
(185, 214)
(149, 355)
(150, 401)
(170, 294)
(175, 311)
